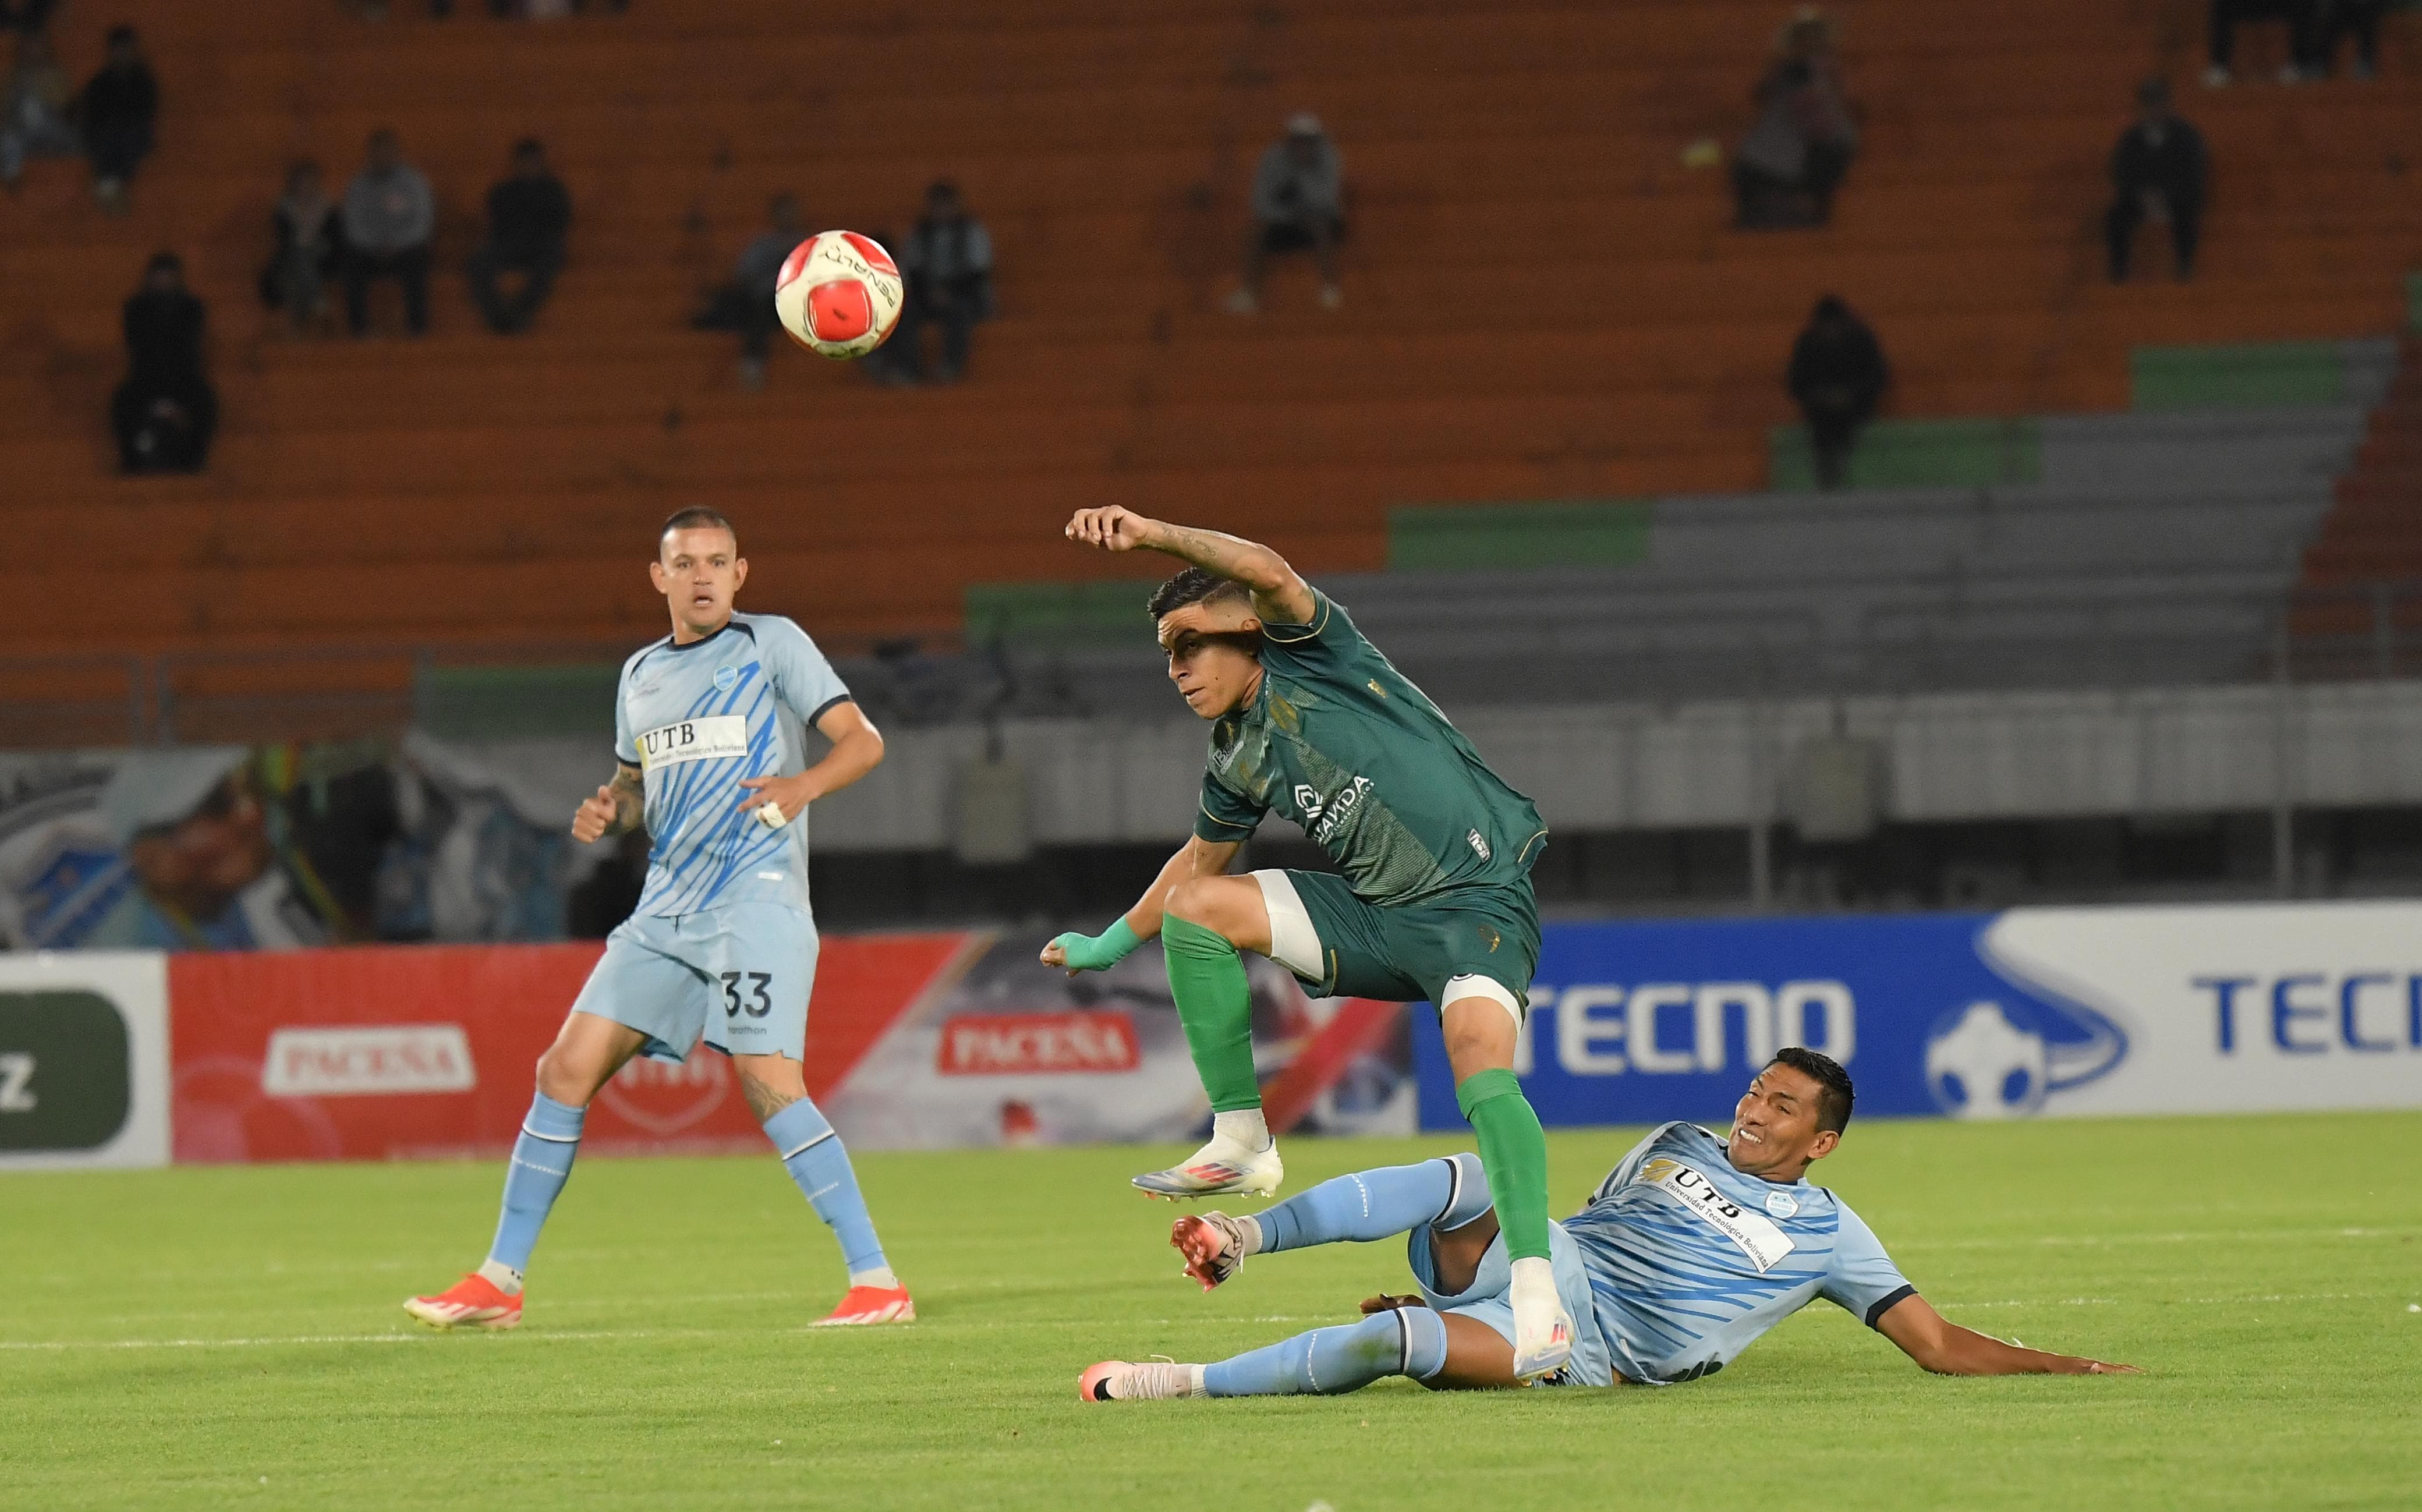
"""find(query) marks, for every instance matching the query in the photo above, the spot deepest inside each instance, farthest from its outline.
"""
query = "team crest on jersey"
(725, 677)
(1761, 1241)
(1781, 1203)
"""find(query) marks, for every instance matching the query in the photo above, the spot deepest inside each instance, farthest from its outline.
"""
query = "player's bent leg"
(1208, 921)
(1326, 1362)
(1361, 1207)
(1481, 1019)
(812, 1153)
(587, 1051)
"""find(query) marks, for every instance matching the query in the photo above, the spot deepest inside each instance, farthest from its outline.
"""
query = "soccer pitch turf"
(231, 1337)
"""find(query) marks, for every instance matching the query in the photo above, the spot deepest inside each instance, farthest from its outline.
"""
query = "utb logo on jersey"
(1757, 1239)
(711, 738)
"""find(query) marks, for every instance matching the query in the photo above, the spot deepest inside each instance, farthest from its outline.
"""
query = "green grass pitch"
(231, 1338)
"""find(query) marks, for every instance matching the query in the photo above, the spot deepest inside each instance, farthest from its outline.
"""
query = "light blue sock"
(1409, 1341)
(812, 1153)
(1374, 1204)
(541, 1164)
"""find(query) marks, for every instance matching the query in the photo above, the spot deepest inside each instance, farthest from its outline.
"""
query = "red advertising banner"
(390, 1052)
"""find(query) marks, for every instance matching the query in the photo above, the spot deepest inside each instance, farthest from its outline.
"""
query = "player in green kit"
(1435, 903)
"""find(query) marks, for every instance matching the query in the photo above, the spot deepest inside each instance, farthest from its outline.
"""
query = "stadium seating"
(1543, 304)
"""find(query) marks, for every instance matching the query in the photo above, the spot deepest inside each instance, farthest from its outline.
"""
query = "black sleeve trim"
(826, 707)
(1888, 1302)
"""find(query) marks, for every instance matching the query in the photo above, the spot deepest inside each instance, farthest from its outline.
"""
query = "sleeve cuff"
(1887, 1302)
(1302, 632)
(828, 706)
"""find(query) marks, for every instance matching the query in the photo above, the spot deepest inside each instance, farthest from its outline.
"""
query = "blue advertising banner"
(1975, 1015)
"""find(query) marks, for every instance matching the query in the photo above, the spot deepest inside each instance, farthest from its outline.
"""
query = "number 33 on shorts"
(755, 999)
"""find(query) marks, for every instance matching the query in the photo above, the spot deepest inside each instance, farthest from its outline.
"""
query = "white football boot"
(1543, 1330)
(1222, 1168)
(1116, 1380)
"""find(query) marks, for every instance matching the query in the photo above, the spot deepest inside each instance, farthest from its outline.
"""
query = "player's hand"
(1385, 1304)
(2099, 1367)
(594, 816)
(1112, 530)
(1074, 953)
(788, 795)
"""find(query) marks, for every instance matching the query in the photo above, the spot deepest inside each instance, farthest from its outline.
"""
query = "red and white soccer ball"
(839, 294)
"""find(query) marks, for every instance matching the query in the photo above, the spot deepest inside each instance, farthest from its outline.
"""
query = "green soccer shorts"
(1483, 942)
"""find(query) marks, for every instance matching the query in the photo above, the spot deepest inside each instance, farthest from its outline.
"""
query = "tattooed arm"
(1280, 596)
(612, 809)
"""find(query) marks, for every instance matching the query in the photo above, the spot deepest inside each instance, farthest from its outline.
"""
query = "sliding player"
(722, 945)
(1691, 1248)
(1435, 904)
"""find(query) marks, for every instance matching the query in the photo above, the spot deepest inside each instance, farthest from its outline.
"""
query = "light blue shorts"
(736, 976)
(1486, 1299)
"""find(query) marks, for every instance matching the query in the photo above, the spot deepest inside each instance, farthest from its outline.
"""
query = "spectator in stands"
(1298, 203)
(2341, 19)
(27, 17)
(1793, 157)
(2303, 38)
(165, 411)
(948, 263)
(530, 214)
(38, 111)
(1837, 377)
(117, 113)
(747, 302)
(389, 216)
(2159, 172)
(310, 249)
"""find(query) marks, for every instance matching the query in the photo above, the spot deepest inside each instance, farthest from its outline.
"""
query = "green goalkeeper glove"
(1099, 952)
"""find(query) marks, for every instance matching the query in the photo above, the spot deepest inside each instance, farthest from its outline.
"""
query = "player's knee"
(1204, 902)
(562, 1075)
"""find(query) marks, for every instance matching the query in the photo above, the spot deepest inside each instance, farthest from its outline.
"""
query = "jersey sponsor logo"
(708, 738)
(1478, 841)
(1761, 1241)
(368, 1060)
(1003, 1045)
(1331, 811)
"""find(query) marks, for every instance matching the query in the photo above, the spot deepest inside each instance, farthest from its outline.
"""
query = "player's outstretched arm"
(1075, 952)
(1944, 1347)
(613, 809)
(857, 749)
(1281, 596)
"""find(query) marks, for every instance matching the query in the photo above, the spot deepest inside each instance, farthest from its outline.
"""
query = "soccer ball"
(1979, 1064)
(839, 294)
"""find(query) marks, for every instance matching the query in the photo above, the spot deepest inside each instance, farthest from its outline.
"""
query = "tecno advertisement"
(960, 1039)
(2037, 1012)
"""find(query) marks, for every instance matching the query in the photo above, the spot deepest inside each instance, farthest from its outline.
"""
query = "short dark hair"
(695, 518)
(1834, 1103)
(1192, 586)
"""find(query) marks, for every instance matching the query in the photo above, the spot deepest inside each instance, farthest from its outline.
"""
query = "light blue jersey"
(1690, 1261)
(697, 719)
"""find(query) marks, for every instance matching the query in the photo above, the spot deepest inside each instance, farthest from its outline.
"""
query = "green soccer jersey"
(1344, 745)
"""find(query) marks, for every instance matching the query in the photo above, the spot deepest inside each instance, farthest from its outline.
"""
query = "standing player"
(722, 944)
(1435, 904)
(1692, 1247)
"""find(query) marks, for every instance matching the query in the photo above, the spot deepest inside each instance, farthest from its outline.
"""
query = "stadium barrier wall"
(84, 1060)
(395, 1053)
(2035, 1011)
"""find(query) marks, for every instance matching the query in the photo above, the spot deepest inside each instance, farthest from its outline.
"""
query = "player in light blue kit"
(721, 946)
(1691, 1247)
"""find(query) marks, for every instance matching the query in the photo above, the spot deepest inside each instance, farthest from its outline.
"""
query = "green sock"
(1214, 1002)
(1514, 1152)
